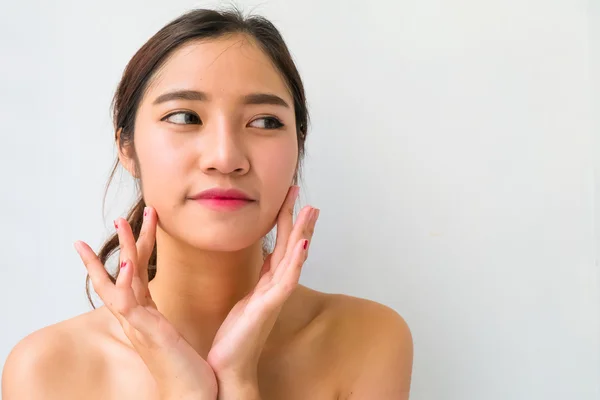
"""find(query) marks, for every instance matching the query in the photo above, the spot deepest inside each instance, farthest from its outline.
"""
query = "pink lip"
(224, 204)
(218, 193)
(223, 199)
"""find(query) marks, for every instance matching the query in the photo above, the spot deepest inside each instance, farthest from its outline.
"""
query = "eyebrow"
(249, 99)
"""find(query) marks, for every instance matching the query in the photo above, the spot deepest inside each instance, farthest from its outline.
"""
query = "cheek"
(279, 167)
(275, 169)
(275, 162)
(159, 164)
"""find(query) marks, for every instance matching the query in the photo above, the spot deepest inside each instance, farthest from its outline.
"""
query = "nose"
(223, 150)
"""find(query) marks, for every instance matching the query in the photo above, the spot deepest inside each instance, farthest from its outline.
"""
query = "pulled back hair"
(192, 25)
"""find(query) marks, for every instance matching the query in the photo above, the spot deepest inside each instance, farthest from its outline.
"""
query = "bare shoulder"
(353, 320)
(373, 348)
(41, 365)
(364, 316)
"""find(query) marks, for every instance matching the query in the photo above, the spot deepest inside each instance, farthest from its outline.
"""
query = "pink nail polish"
(123, 264)
(145, 212)
(116, 225)
(305, 244)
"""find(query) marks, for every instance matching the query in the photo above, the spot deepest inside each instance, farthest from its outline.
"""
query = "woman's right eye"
(185, 118)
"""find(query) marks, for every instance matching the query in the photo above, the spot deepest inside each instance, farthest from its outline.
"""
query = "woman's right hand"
(180, 372)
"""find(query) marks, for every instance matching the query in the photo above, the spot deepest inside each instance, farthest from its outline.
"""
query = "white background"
(452, 154)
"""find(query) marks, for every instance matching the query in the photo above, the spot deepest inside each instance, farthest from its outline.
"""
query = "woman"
(211, 120)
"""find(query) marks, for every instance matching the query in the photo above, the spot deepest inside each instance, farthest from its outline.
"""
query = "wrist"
(239, 389)
(189, 396)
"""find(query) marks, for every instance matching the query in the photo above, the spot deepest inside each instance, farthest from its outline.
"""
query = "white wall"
(451, 155)
(594, 35)
(594, 46)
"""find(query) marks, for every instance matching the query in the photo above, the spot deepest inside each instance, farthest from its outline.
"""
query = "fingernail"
(123, 264)
(145, 211)
(305, 244)
(77, 245)
(116, 225)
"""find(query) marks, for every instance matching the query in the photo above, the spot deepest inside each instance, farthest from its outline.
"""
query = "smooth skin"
(217, 320)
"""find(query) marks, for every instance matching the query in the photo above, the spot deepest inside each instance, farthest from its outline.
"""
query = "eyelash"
(281, 125)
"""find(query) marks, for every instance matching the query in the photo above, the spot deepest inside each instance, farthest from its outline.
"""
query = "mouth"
(223, 199)
(223, 203)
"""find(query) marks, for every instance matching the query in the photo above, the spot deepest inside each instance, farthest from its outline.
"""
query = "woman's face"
(225, 138)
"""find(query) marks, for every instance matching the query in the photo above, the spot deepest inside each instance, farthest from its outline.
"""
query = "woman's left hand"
(239, 341)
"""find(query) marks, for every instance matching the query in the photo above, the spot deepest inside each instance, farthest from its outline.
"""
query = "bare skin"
(323, 346)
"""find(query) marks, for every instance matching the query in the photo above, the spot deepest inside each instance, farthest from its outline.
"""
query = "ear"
(125, 154)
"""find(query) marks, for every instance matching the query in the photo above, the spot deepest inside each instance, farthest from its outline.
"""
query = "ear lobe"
(123, 153)
(127, 163)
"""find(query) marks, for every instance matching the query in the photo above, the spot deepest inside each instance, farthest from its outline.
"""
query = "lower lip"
(224, 204)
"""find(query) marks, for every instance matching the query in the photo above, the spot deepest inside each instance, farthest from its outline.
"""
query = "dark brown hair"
(193, 25)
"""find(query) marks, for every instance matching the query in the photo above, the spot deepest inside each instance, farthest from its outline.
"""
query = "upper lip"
(222, 193)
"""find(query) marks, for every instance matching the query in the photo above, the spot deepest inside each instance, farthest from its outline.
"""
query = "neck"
(195, 289)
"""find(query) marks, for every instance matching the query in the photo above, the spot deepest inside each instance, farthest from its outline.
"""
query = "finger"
(124, 280)
(126, 304)
(285, 223)
(129, 252)
(266, 267)
(101, 282)
(291, 270)
(303, 229)
(124, 295)
(128, 249)
(145, 242)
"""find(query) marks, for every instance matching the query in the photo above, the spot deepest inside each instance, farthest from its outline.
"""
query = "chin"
(214, 241)
(207, 232)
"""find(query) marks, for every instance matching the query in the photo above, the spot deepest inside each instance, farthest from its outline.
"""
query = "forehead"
(232, 65)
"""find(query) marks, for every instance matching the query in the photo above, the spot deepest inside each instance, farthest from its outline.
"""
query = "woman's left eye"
(269, 123)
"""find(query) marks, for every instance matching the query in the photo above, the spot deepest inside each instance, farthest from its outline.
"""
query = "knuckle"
(123, 308)
(288, 287)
